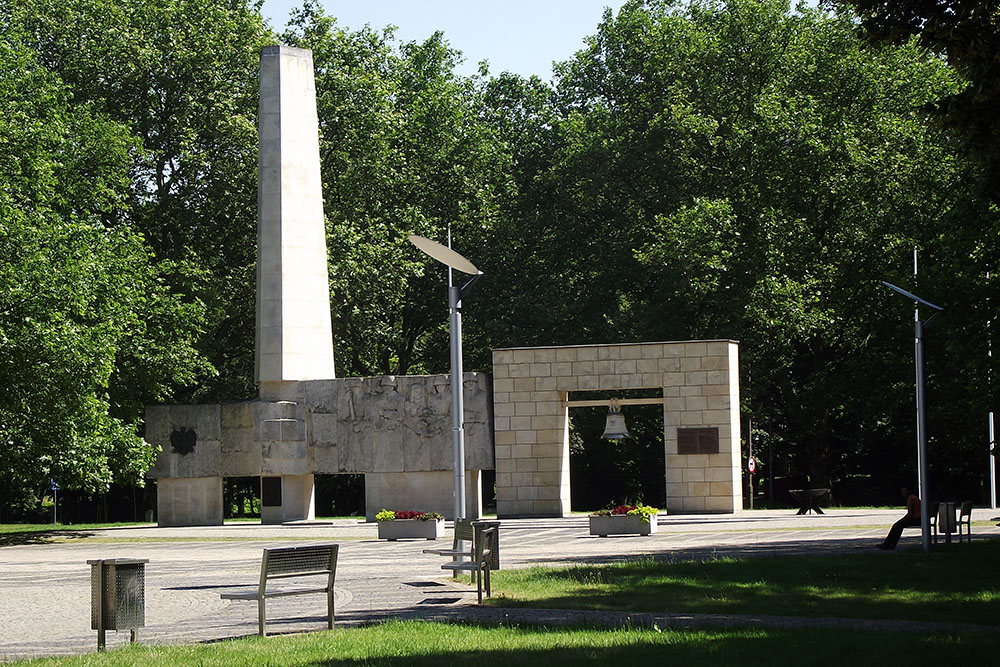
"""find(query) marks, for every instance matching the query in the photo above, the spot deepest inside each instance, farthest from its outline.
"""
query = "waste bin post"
(100, 573)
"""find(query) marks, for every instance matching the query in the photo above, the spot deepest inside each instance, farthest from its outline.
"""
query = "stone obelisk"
(293, 333)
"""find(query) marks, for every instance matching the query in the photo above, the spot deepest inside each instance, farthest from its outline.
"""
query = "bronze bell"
(614, 427)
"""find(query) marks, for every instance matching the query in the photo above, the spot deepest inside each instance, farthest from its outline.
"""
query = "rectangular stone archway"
(701, 416)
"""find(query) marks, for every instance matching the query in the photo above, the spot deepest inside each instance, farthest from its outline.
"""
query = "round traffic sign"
(752, 465)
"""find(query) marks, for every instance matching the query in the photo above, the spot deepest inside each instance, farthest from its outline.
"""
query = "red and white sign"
(752, 465)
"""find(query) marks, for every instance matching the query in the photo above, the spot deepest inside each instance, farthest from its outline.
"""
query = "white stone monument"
(294, 340)
(293, 333)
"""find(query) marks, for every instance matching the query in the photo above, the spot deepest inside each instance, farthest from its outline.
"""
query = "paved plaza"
(45, 587)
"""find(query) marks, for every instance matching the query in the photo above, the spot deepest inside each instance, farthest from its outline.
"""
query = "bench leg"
(329, 608)
(260, 616)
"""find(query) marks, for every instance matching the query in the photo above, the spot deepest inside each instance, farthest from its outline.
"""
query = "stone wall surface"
(386, 424)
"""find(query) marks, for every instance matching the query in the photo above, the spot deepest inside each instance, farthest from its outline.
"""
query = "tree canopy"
(705, 169)
(967, 34)
(88, 331)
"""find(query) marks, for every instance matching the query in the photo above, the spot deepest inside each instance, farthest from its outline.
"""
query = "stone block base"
(189, 501)
(298, 501)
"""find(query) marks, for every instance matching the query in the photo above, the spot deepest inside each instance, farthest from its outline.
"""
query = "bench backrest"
(484, 546)
(464, 530)
(302, 561)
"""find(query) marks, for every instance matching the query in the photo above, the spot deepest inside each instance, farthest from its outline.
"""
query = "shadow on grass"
(13, 539)
(719, 650)
(955, 584)
(410, 645)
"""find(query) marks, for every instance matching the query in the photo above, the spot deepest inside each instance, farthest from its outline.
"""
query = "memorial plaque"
(697, 441)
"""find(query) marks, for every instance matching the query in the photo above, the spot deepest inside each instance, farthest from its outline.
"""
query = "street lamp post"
(918, 334)
(455, 261)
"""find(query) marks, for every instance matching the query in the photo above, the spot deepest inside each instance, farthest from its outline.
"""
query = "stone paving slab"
(45, 588)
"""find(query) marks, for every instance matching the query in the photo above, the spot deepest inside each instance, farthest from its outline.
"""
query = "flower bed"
(624, 520)
(408, 524)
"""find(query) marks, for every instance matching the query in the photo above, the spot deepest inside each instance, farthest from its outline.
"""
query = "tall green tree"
(88, 330)
(181, 76)
(967, 33)
(739, 170)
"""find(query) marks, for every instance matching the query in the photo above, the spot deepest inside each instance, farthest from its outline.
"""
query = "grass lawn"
(956, 584)
(414, 644)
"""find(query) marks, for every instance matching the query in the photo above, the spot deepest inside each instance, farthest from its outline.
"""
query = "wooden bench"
(305, 562)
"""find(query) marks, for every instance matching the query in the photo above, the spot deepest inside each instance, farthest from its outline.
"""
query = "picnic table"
(809, 499)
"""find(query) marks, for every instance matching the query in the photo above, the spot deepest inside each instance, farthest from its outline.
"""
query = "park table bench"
(304, 565)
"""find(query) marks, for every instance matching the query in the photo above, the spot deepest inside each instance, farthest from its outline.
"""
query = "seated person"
(911, 518)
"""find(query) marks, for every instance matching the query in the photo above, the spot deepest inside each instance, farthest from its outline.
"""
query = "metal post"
(103, 578)
(457, 404)
(453, 260)
(770, 466)
(993, 465)
(925, 520)
(750, 455)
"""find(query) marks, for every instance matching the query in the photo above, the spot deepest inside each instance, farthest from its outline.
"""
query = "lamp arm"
(467, 287)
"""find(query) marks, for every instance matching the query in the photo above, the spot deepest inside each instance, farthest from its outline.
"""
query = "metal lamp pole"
(455, 261)
(918, 334)
(457, 399)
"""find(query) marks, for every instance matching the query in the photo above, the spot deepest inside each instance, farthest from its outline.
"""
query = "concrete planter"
(621, 524)
(402, 529)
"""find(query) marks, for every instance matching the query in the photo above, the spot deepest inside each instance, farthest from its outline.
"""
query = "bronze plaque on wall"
(697, 441)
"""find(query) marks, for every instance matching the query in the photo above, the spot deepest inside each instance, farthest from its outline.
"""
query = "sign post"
(55, 499)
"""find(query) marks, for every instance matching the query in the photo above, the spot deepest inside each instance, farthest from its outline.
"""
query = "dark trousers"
(897, 529)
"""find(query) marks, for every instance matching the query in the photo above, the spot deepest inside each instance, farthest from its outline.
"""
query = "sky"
(519, 36)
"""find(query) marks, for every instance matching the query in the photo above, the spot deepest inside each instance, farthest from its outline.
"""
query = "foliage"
(89, 331)
(644, 511)
(403, 151)
(385, 515)
(390, 515)
(738, 170)
(699, 169)
(180, 76)
(967, 34)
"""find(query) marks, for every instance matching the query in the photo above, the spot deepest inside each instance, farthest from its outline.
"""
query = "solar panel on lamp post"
(455, 261)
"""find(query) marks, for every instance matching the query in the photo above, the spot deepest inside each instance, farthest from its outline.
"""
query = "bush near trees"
(702, 169)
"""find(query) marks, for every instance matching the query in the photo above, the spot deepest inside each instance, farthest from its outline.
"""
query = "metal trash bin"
(946, 520)
(479, 525)
(117, 596)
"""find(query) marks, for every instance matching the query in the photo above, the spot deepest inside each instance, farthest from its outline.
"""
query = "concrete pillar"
(189, 501)
(296, 499)
(293, 332)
